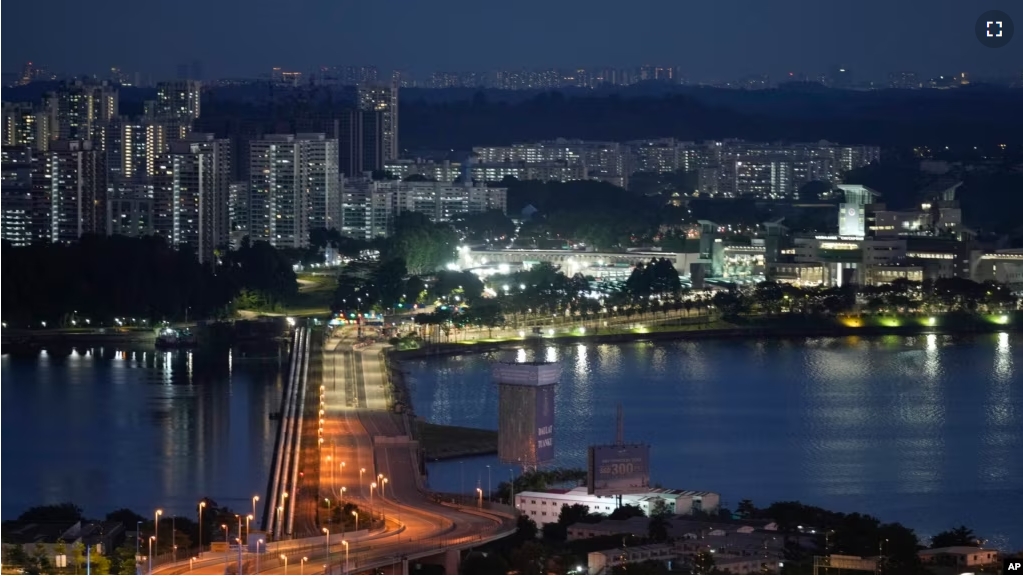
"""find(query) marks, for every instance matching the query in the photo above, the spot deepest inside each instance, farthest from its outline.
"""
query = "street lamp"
(343, 496)
(254, 500)
(345, 542)
(301, 565)
(201, 506)
(361, 472)
(138, 540)
(382, 486)
(490, 493)
(356, 514)
(191, 563)
(248, 519)
(226, 541)
(239, 528)
(258, 544)
(151, 540)
(156, 524)
(326, 542)
(285, 558)
(479, 493)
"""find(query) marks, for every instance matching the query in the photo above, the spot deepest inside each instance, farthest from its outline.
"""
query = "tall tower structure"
(294, 186)
(16, 210)
(383, 98)
(26, 125)
(525, 429)
(77, 108)
(178, 100)
(191, 191)
(71, 180)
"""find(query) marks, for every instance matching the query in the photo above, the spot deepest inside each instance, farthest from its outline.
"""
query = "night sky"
(710, 39)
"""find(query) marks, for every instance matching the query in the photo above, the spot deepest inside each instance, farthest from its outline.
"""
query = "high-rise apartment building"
(17, 208)
(360, 142)
(130, 209)
(294, 187)
(134, 147)
(445, 171)
(26, 125)
(77, 108)
(368, 207)
(559, 160)
(71, 181)
(383, 98)
(658, 156)
(191, 191)
(177, 101)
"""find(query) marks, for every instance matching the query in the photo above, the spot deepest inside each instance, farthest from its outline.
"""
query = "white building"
(544, 507)
(294, 187)
(368, 207)
(559, 160)
(554, 171)
(440, 171)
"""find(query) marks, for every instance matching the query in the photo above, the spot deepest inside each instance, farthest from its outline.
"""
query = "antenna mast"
(620, 427)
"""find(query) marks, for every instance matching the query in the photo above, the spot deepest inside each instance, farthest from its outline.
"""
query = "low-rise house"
(604, 561)
(104, 537)
(959, 556)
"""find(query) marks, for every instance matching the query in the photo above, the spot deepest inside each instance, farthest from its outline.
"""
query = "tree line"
(806, 531)
(102, 278)
(177, 534)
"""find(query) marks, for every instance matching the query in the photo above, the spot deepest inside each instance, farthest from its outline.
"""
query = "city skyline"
(767, 39)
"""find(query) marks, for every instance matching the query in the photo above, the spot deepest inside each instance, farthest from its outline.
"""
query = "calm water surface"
(111, 428)
(927, 430)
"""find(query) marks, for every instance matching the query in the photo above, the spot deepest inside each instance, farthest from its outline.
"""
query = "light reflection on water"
(921, 430)
(130, 428)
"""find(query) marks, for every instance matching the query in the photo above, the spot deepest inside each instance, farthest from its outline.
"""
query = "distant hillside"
(461, 118)
(892, 118)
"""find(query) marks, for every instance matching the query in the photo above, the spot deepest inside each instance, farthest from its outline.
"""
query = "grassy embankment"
(315, 294)
(441, 442)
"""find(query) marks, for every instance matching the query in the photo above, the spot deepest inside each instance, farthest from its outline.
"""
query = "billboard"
(525, 421)
(852, 220)
(525, 424)
(544, 423)
(618, 469)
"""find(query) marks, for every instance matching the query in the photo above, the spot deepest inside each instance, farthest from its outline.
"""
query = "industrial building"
(544, 507)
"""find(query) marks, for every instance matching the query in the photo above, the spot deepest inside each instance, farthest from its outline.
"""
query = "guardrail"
(273, 488)
(285, 468)
(299, 418)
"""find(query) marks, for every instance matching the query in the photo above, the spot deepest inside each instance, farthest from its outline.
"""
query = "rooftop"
(956, 550)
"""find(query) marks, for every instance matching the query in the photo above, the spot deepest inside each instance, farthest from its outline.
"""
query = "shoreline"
(746, 332)
(454, 442)
(214, 333)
